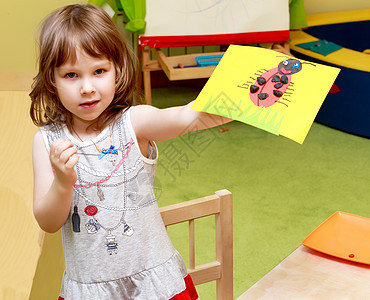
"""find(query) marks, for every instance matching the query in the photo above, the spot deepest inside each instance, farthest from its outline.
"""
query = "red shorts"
(190, 293)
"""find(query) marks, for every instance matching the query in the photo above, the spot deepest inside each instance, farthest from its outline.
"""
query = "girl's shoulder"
(49, 133)
(37, 138)
(142, 115)
(38, 144)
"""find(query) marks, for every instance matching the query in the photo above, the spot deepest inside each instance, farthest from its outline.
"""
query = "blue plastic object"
(210, 60)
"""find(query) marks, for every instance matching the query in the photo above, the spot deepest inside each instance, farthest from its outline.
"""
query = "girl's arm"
(153, 124)
(52, 192)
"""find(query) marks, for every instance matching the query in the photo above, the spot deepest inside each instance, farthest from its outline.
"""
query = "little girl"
(95, 159)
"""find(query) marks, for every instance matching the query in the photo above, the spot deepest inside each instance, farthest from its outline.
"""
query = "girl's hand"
(54, 177)
(282, 48)
(63, 158)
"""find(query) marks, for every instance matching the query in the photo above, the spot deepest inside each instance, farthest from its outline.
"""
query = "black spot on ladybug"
(277, 93)
(278, 85)
(262, 96)
(254, 88)
(284, 79)
(261, 80)
(276, 78)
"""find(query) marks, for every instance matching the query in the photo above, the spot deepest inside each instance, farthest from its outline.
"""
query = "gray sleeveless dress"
(115, 244)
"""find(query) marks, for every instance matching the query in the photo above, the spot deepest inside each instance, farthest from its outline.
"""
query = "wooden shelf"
(170, 65)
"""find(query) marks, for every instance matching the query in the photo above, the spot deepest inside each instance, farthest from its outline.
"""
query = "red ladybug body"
(270, 87)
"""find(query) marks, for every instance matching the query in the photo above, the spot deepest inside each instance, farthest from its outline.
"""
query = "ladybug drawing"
(274, 85)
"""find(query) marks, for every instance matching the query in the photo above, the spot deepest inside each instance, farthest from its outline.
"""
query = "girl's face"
(85, 87)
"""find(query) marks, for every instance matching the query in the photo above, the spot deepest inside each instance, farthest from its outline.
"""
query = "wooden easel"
(186, 24)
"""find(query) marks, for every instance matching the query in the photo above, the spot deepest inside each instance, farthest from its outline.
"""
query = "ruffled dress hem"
(169, 280)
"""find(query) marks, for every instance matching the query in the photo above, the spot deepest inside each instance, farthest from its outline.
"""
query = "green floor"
(281, 190)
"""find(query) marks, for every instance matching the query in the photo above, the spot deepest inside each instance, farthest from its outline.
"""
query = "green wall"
(19, 21)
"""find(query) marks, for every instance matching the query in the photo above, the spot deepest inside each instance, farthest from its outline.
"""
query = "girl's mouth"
(89, 105)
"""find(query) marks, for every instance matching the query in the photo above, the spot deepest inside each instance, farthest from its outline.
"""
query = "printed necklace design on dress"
(93, 225)
(111, 153)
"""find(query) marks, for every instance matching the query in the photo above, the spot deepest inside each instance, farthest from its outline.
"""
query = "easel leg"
(146, 76)
(139, 75)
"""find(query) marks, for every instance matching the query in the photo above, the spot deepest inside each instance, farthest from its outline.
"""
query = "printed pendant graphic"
(91, 210)
(75, 220)
(92, 227)
(111, 154)
(112, 158)
(100, 193)
(111, 244)
(128, 230)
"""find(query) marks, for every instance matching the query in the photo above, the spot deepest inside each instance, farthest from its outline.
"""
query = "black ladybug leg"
(282, 103)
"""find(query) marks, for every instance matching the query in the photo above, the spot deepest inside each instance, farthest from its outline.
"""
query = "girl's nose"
(87, 87)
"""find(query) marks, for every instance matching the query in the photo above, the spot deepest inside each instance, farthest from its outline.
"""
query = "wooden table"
(307, 274)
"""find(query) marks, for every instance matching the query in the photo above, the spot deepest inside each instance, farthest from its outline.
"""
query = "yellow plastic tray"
(342, 235)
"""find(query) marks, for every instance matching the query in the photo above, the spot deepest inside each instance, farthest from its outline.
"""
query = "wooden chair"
(221, 270)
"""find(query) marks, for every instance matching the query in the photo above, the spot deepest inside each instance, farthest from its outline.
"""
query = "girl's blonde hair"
(89, 29)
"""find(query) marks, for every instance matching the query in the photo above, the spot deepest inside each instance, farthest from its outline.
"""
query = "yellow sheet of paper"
(291, 114)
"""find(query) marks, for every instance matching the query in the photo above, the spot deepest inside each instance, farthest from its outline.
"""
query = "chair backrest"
(221, 270)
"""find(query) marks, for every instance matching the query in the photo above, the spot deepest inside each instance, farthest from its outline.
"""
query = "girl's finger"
(66, 154)
(58, 146)
(56, 143)
(72, 161)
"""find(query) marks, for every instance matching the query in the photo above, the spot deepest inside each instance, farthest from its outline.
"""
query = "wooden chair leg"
(224, 246)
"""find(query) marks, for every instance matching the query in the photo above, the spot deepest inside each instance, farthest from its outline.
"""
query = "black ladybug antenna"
(285, 56)
(308, 63)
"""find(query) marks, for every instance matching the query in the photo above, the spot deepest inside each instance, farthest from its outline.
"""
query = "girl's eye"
(71, 75)
(285, 62)
(296, 65)
(99, 71)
